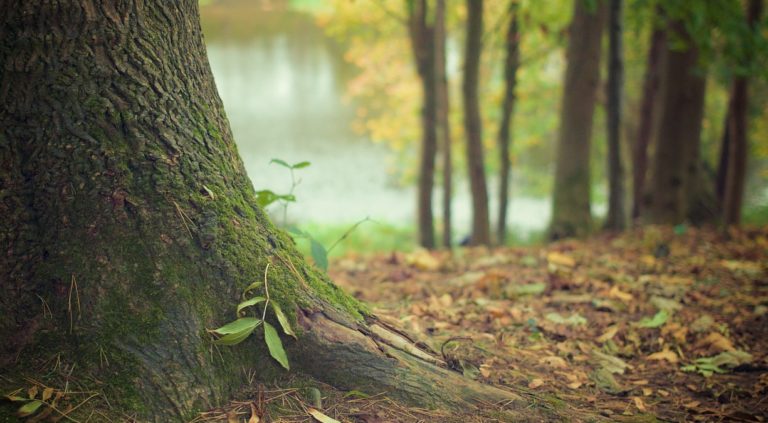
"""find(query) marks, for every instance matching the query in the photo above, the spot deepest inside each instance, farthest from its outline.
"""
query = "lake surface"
(283, 87)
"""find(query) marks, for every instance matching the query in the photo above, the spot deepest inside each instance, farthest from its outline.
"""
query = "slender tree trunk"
(571, 214)
(511, 65)
(723, 158)
(737, 127)
(443, 120)
(617, 216)
(130, 227)
(675, 165)
(423, 45)
(481, 229)
(649, 116)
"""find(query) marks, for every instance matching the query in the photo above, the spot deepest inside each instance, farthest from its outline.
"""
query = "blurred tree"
(735, 146)
(443, 120)
(481, 232)
(676, 159)
(617, 218)
(422, 34)
(571, 213)
(649, 115)
(511, 64)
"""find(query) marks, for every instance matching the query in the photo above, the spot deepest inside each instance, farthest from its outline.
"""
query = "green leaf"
(251, 287)
(248, 303)
(319, 254)
(29, 408)
(301, 165)
(656, 321)
(280, 162)
(239, 325)
(266, 197)
(235, 338)
(286, 325)
(287, 197)
(296, 232)
(275, 345)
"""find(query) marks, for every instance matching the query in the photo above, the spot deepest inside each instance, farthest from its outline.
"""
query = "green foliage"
(239, 330)
(658, 320)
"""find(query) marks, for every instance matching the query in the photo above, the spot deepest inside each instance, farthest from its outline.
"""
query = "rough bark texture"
(443, 122)
(423, 45)
(617, 216)
(649, 115)
(676, 164)
(481, 229)
(737, 145)
(571, 213)
(511, 63)
(129, 226)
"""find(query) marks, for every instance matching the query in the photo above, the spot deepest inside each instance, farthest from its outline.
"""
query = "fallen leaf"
(608, 334)
(615, 292)
(554, 361)
(717, 342)
(666, 354)
(254, 415)
(639, 404)
(535, 383)
(322, 418)
(559, 259)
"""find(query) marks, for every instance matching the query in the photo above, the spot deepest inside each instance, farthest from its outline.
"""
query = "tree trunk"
(443, 121)
(130, 227)
(649, 116)
(675, 165)
(423, 46)
(571, 214)
(738, 146)
(481, 229)
(511, 65)
(617, 217)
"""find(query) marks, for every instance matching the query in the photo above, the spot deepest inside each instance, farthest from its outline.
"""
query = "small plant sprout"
(237, 331)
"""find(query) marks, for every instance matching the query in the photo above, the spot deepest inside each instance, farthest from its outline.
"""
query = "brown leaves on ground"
(650, 322)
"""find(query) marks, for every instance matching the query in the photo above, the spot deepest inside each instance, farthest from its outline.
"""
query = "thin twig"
(266, 292)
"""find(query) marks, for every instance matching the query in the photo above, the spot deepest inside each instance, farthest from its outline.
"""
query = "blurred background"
(336, 83)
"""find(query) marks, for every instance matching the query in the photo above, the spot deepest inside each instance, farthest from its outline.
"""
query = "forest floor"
(658, 323)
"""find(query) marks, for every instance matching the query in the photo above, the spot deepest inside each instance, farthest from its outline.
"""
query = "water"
(283, 89)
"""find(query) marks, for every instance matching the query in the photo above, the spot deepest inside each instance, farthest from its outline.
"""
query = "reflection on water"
(282, 85)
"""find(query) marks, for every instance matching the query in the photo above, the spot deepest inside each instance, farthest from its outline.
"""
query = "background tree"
(511, 64)
(481, 232)
(617, 218)
(736, 148)
(571, 213)
(422, 34)
(649, 114)
(130, 226)
(677, 140)
(443, 120)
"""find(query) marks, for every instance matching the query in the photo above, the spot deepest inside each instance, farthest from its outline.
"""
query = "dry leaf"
(560, 259)
(639, 403)
(554, 361)
(609, 334)
(535, 383)
(322, 418)
(254, 415)
(716, 341)
(615, 292)
(666, 354)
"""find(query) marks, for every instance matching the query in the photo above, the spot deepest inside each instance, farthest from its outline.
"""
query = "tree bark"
(738, 146)
(649, 117)
(675, 165)
(571, 213)
(617, 217)
(422, 35)
(481, 229)
(511, 64)
(130, 227)
(443, 122)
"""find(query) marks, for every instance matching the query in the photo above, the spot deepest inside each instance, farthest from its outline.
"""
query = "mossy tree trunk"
(571, 211)
(129, 225)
